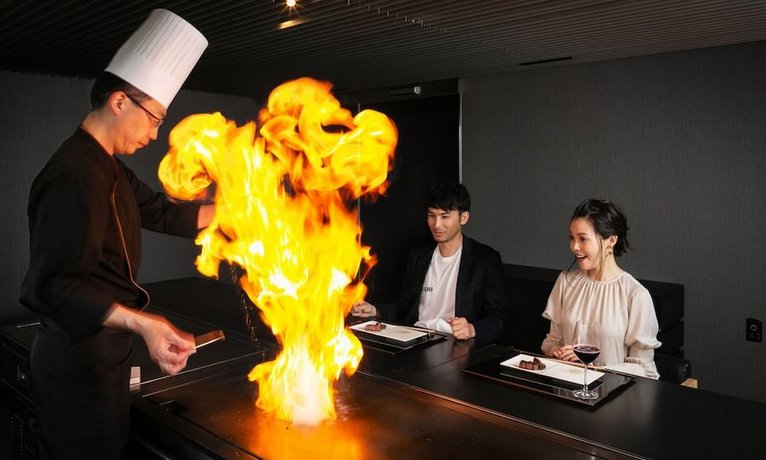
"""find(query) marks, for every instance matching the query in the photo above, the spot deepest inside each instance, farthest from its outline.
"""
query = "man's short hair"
(106, 84)
(449, 196)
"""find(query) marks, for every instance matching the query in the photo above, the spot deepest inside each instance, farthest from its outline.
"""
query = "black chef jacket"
(86, 210)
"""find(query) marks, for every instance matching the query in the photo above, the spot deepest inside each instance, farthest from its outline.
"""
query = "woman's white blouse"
(623, 308)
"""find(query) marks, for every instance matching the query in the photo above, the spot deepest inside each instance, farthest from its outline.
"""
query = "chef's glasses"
(156, 121)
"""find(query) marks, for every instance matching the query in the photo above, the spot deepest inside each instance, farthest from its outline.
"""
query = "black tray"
(392, 345)
(606, 386)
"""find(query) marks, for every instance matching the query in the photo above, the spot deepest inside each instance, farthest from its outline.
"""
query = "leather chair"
(673, 369)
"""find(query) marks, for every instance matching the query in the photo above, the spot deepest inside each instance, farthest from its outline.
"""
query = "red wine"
(587, 353)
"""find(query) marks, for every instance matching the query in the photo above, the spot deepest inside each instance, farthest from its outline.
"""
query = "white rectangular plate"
(555, 369)
(400, 333)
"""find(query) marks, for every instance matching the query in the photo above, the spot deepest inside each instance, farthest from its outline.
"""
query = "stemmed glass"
(587, 347)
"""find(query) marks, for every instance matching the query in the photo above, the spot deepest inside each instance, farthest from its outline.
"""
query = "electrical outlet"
(754, 330)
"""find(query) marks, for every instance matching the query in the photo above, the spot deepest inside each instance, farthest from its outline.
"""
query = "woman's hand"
(565, 353)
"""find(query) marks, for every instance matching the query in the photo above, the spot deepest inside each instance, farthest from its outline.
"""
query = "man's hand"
(169, 347)
(461, 328)
(364, 309)
(205, 215)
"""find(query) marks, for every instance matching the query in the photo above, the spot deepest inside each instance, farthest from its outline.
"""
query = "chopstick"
(571, 363)
(429, 331)
(576, 364)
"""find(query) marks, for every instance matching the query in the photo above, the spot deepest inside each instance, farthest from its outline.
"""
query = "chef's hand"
(564, 353)
(364, 309)
(461, 328)
(169, 347)
(205, 215)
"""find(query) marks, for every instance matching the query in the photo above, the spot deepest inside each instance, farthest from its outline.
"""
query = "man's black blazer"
(479, 294)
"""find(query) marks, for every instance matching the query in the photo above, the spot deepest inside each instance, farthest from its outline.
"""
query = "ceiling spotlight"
(291, 3)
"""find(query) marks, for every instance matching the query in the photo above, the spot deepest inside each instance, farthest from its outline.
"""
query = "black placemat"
(607, 386)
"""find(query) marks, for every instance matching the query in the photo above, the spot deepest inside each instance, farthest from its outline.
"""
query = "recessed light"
(290, 23)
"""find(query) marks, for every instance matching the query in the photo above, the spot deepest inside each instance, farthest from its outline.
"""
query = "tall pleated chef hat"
(159, 56)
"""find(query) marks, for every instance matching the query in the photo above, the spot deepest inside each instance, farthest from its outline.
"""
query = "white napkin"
(437, 324)
(628, 368)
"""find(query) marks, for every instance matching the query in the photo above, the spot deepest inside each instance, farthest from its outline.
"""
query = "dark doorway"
(427, 153)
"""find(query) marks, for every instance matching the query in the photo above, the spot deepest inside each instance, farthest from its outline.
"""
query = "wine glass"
(587, 347)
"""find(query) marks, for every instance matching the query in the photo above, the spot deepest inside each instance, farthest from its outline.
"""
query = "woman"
(599, 290)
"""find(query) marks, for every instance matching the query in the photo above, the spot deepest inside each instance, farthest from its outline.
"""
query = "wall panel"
(678, 141)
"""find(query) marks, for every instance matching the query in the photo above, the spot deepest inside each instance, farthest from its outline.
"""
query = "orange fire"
(282, 214)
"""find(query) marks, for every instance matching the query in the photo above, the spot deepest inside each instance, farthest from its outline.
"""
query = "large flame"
(283, 215)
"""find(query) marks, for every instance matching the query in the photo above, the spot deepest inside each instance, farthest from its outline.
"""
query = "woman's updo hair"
(607, 219)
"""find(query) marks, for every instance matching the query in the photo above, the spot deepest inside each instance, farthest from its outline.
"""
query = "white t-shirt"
(437, 298)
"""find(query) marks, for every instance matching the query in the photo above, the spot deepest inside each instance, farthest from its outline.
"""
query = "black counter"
(418, 403)
(647, 418)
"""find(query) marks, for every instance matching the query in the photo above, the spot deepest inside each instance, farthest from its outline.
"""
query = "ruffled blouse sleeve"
(553, 313)
(641, 335)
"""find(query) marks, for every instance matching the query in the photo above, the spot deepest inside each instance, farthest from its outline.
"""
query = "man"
(86, 210)
(456, 286)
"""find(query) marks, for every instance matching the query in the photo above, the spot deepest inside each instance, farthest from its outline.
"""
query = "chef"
(86, 210)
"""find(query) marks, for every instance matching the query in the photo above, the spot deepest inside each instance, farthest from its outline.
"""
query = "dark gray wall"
(36, 114)
(679, 141)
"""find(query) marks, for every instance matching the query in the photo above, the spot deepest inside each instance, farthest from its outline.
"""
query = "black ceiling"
(364, 44)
